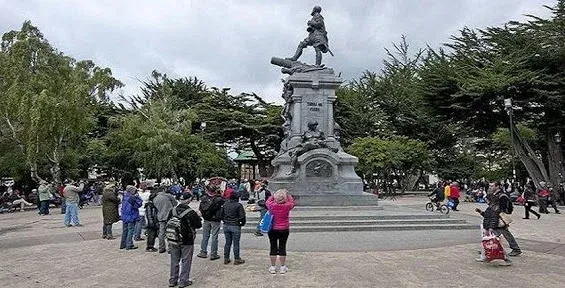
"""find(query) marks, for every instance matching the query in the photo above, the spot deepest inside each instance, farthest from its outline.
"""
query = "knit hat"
(131, 189)
(186, 196)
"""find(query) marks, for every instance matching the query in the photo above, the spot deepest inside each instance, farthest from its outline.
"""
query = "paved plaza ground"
(39, 252)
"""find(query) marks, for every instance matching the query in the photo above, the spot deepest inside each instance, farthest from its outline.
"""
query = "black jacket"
(491, 217)
(233, 213)
(189, 223)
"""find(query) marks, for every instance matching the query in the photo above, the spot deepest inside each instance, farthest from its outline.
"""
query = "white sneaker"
(273, 270)
(283, 270)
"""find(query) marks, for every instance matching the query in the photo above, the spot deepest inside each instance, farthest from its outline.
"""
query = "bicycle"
(431, 206)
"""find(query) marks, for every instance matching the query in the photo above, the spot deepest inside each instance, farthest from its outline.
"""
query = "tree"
(47, 97)
(389, 159)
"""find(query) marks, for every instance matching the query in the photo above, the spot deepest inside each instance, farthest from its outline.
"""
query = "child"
(491, 218)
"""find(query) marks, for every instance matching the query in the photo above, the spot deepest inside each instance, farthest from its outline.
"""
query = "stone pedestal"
(323, 177)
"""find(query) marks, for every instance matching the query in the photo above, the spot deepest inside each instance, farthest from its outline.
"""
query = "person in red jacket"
(454, 194)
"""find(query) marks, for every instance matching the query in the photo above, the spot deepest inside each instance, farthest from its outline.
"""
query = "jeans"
(232, 234)
(181, 255)
(44, 207)
(210, 228)
(71, 214)
(127, 235)
(509, 237)
(63, 206)
(263, 212)
(162, 228)
(107, 229)
(139, 225)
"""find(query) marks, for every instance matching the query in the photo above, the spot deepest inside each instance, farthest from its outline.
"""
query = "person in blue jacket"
(130, 216)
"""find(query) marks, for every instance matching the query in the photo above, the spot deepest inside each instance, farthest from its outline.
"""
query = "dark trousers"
(553, 205)
(44, 207)
(278, 239)
(528, 205)
(127, 235)
(509, 237)
(181, 262)
(151, 235)
(543, 205)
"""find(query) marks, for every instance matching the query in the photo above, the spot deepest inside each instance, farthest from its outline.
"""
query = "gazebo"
(247, 165)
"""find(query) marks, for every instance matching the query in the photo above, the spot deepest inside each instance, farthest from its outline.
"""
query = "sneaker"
(202, 255)
(131, 248)
(257, 233)
(189, 283)
(103, 236)
(238, 261)
(216, 257)
(506, 262)
(162, 251)
(480, 259)
(150, 250)
(78, 225)
(227, 261)
(283, 270)
(173, 284)
(273, 270)
(514, 253)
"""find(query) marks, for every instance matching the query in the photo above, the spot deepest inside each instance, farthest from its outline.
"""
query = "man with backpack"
(164, 202)
(181, 231)
(505, 206)
(210, 206)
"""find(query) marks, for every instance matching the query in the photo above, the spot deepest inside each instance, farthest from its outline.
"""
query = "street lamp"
(508, 106)
(202, 128)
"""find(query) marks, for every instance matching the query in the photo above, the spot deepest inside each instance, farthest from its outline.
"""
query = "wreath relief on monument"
(319, 168)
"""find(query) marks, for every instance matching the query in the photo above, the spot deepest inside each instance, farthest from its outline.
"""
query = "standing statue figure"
(318, 37)
(311, 139)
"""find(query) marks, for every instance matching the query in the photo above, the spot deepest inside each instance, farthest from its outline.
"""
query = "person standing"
(144, 194)
(263, 193)
(530, 200)
(447, 189)
(130, 215)
(233, 215)
(164, 202)
(72, 197)
(181, 253)
(44, 197)
(454, 194)
(210, 206)
(505, 206)
(491, 218)
(280, 205)
(110, 212)
(553, 199)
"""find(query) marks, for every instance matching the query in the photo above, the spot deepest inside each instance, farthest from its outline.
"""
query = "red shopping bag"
(493, 248)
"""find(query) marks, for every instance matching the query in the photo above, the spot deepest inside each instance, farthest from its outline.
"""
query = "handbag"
(266, 222)
(504, 220)
(493, 248)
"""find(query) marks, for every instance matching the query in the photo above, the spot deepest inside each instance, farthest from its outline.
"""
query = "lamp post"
(557, 139)
(508, 106)
(202, 128)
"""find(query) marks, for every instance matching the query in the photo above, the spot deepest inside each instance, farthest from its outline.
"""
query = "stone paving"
(49, 255)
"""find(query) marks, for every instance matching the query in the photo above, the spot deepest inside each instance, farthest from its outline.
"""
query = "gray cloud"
(229, 43)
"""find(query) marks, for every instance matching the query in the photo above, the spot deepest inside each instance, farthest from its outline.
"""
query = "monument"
(311, 163)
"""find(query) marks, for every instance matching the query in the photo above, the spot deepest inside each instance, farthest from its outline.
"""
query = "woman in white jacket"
(144, 194)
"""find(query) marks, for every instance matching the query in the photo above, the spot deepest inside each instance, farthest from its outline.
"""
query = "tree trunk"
(555, 161)
(264, 164)
(528, 157)
(412, 180)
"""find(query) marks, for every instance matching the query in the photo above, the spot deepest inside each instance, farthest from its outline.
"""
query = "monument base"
(364, 199)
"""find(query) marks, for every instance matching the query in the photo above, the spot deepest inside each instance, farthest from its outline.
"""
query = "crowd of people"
(165, 215)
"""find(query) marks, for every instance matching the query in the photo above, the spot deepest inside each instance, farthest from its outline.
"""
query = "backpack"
(207, 208)
(510, 207)
(173, 227)
(151, 215)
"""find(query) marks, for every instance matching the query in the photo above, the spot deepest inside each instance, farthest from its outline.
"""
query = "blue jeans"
(127, 235)
(139, 225)
(263, 212)
(44, 207)
(210, 228)
(233, 234)
(71, 214)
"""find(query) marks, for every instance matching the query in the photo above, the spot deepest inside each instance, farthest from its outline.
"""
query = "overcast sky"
(230, 43)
